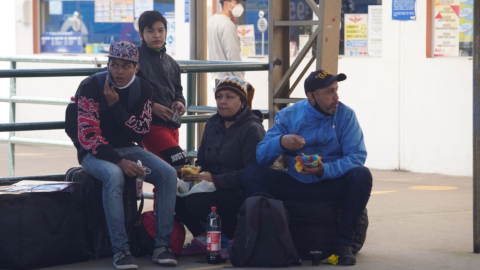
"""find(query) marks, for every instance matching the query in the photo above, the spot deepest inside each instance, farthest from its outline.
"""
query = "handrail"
(186, 66)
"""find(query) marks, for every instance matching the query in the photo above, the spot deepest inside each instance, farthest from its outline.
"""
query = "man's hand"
(188, 177)
(110, 94)
(179, 106)
(292, 142)
(317, 170)
(163, 112)
(130, 168)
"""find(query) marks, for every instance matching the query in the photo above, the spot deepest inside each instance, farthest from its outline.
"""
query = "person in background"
(321, 125)
(227, 147)
(222, 39)
(106, 128)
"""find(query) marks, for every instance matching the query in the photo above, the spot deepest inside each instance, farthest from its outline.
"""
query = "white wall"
(415, 112)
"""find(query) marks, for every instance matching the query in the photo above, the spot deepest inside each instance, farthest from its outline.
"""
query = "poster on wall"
(61, 42)
(247, 39)
(170, 38)
(142, 6)
(446, 28)
(466, 21)
(356, 35)
(187, 11)
(403, 10)
(114, 11)
(374, 43)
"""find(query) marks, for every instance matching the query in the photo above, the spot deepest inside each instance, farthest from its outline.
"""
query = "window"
(89, 26)
(451, 28)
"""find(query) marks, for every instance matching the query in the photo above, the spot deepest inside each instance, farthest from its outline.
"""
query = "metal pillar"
(11, 146)
(476, 130)
(198, 51)
(326, 37)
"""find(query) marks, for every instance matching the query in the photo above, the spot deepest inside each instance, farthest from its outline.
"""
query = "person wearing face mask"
(227, 147)
(222, 39)
(321, 125)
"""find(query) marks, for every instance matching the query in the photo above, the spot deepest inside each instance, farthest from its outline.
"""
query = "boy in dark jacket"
(164, 74)
(107, 125)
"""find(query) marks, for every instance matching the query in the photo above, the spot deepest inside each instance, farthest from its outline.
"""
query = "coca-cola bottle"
(213, 237)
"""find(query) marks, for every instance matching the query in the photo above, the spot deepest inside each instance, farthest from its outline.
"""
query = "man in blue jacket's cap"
(320, 125)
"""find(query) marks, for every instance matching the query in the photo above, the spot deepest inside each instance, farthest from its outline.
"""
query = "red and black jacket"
(102, 128)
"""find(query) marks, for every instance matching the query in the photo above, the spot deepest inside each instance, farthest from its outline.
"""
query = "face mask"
(237, 11)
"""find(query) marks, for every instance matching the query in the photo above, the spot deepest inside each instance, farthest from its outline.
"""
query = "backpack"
(143, 240)
(262, 238)
(71, 113)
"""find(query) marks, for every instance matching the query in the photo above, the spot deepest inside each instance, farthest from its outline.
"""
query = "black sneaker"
(345, 255)
(124, 260)
(164, 256)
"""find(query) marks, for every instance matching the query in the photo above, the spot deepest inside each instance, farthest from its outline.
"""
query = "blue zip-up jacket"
(338, 139)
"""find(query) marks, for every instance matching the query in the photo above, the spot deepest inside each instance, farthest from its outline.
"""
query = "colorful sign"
(61, 42)
(446, 28)
(356, 35)
(247, 39)
(403, 10)
(114, 11)
(170, 38)
(466, 21)
(374, 43)
(187, 11)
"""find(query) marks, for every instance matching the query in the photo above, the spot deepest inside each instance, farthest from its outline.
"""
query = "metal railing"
(191, 67)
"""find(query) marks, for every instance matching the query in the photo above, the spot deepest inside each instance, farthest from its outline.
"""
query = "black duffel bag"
(40, 230)
(314, 225)
(96, 230)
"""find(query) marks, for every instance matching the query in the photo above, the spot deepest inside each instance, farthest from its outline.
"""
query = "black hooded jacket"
(163, 73)
(226, 152)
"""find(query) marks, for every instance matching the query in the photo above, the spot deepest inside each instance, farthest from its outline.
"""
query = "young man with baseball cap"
(320, 125)
(107, 126)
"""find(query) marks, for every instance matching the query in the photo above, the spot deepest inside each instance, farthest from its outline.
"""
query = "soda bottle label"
(213, 241)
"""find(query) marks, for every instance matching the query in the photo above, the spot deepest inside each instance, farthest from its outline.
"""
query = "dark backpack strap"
(101, 78)
(281, 224)
(134, 94)
(252, 212)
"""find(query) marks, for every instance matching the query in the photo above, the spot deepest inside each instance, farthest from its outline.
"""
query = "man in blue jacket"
(318, 125)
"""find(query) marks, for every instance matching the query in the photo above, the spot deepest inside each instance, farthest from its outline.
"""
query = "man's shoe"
(164, 256)
(124, 260)
(345, 255)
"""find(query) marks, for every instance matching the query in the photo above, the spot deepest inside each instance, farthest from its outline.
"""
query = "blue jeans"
(351, 191)
(163, 177)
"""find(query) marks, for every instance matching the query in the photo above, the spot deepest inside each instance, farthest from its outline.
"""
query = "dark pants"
(195, 208)
(351, 191)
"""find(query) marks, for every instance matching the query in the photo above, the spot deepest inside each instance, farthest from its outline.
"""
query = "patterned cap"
(244, 89)
(124, 50)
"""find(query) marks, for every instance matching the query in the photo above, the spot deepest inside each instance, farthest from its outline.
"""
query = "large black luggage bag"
(96, 230)
(313, 226)
(41, 229)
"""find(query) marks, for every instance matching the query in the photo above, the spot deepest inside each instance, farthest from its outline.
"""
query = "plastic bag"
(183, 188)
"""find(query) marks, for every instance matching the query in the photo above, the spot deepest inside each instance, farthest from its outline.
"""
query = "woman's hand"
(188, 177)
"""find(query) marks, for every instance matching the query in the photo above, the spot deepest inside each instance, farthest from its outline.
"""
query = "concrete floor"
(417, 221)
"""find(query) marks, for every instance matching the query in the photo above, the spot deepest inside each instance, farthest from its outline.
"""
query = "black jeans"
(195, 208)
(351, 191)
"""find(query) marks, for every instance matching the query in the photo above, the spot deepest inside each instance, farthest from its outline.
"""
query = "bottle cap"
(214, 209)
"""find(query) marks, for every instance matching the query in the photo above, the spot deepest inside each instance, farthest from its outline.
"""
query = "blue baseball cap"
(321, 79)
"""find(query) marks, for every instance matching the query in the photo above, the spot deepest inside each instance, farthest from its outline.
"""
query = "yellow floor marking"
(433, 188)
(29, 154)
(382, 192)
(210, 267)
